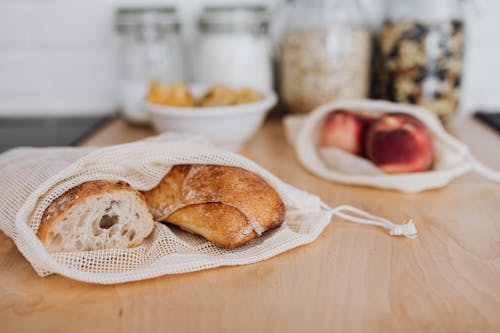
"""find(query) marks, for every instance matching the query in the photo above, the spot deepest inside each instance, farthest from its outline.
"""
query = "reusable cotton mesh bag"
(452, 158)
(32, 178)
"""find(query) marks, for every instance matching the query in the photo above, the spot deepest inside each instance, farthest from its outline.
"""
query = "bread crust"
(227, 205)
(76, 195)
(220, 223)
(238, 199)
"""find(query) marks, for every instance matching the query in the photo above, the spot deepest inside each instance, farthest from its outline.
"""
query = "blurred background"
(60, 57)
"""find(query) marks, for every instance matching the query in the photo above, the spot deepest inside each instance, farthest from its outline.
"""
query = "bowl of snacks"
(227, 116)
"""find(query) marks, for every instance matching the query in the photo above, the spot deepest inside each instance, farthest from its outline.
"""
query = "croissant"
(228, 206)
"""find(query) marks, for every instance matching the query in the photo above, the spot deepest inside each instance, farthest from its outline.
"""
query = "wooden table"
(352, 279)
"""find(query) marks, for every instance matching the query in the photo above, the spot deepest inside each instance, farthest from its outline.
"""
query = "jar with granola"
(324, 54)
(420, 49)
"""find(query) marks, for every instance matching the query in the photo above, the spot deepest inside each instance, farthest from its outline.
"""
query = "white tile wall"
(482, 63)
(57, 56)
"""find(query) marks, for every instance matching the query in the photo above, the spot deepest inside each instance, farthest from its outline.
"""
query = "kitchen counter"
(354, 278)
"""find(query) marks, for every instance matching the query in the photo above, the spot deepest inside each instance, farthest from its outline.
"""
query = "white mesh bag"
(451, 157)
(32, 178)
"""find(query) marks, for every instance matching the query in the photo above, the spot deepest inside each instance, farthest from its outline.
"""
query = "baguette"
(228, 206)
(96, 215)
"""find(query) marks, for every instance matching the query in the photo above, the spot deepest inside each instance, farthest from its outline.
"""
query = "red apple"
(398, 143)
(346, 130)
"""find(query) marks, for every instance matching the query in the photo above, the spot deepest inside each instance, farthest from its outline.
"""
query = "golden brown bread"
(227, 205)
(96, 215)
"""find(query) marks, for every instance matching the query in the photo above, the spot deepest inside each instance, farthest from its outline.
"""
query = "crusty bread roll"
(96, 215)
(229, 206)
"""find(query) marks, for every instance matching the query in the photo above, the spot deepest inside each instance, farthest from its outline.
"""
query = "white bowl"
(226, 126)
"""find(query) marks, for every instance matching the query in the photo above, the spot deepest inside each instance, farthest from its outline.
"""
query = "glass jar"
(420, 49)
(234, 47)
(150, 49)
(324, 54)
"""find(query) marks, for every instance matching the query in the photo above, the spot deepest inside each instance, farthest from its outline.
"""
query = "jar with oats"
(324, 54)
(420, 49)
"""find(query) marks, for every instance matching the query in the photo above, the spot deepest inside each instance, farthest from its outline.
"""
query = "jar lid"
(234, 18)
(158, 16)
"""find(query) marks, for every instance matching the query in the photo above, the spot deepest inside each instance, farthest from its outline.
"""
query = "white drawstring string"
(485, 171)
(407, 229)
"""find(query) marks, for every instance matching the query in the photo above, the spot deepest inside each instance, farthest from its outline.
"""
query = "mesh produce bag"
(451, 157)
(32, 178)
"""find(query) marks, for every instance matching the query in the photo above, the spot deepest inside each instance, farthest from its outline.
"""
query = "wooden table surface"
(352, 279)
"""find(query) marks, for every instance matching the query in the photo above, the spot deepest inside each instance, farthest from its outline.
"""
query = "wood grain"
(352, 279)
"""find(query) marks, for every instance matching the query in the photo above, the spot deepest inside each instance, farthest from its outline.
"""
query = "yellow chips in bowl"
(170, 94)
(218, 96)
(221, 95)
(248, 95)
(178, 94)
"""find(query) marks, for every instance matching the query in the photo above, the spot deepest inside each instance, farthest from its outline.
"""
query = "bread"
(96, 215)
(229, 206)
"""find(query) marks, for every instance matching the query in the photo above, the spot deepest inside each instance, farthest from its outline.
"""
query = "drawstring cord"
(407, 229)
(485, 171)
